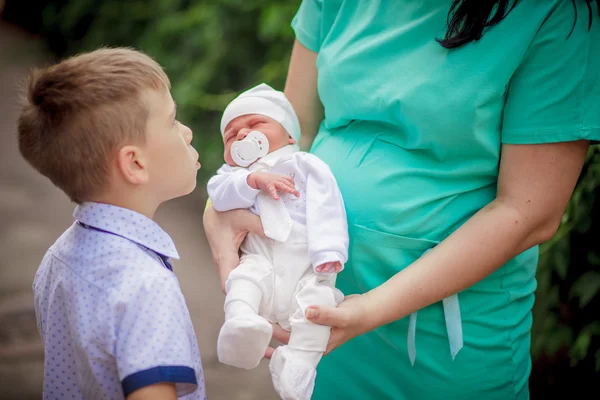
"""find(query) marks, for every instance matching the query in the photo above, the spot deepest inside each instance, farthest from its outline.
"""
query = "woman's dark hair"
(468, 18)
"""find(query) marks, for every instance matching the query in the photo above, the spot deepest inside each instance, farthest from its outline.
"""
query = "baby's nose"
(242, 133)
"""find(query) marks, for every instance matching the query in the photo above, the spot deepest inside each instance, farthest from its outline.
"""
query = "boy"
(304, 219)
(101, 126)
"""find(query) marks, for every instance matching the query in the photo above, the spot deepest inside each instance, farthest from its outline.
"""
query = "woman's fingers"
(280, 334)
(269, 352)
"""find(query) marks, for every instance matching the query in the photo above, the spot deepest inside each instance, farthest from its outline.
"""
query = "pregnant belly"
(401, 191)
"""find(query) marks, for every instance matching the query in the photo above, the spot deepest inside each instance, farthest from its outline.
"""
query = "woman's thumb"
(323, 315)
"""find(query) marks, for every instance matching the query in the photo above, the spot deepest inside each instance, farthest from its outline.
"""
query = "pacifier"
(246, 151)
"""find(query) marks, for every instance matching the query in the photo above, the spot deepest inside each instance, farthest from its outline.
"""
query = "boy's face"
(240, 127)
(172, 161)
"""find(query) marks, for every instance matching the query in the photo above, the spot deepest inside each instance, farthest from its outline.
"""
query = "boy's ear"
(131, 164)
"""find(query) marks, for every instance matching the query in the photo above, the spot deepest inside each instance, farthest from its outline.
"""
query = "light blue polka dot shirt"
(111, 312)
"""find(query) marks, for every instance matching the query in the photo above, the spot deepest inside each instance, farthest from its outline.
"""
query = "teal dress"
(413, 134)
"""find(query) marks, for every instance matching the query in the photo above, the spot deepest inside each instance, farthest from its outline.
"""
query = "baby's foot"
(243, 341)
(293, 378)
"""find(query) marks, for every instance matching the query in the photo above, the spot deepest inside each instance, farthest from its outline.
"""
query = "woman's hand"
(279, 334)
(348, 320)
(225, 232)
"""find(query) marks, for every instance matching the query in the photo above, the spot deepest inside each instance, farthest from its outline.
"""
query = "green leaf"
(586, 287)
(561, 337)
(581, 346)
(561, 265)
(593, 258)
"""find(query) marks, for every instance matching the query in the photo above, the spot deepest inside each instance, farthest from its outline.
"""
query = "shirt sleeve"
(229, 189)
(153, 336)
(554, 94)
(326, 220)
(307, 24)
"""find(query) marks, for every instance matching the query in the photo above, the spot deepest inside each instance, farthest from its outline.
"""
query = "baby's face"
(240, 127)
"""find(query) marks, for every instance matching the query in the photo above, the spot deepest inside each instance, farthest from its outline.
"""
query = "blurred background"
(212, 50)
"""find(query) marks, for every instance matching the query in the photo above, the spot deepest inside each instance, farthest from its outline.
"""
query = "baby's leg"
(293, 367)
(245, 335)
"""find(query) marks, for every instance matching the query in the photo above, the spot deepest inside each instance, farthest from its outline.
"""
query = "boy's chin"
(185, 190)
(190, 187)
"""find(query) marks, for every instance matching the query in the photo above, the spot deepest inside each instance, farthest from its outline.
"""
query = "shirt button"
(279, 271)
(282, 308)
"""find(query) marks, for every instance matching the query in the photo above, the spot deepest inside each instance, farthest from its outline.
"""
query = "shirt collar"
(128, 224)
(272, 158)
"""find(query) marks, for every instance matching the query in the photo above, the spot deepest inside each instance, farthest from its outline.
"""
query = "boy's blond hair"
(78, 112)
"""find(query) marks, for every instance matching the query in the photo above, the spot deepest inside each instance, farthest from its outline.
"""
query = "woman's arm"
(225, 232)
(534, 187)
(301, 91)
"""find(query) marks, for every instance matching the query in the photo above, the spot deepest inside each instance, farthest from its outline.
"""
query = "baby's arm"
(229, 189)
(233, 188)
(272, 183)
(325, 218)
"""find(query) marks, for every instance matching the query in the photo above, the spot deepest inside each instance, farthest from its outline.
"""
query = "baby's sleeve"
(326, 219)
(229, 189)
(154, 340)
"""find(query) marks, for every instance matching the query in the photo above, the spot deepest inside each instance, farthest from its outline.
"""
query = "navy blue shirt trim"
(174, 374)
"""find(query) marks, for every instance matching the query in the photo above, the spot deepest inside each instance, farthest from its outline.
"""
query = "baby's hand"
(335, 266)
(272, 183)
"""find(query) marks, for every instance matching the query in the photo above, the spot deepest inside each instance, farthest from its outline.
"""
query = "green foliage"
(212, 49)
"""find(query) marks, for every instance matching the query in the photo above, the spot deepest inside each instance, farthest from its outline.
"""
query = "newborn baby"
(304, 219)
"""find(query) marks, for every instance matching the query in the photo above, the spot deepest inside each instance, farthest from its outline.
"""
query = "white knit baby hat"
(264, 100)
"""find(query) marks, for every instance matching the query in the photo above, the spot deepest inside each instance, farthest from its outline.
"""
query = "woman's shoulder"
(559, 16)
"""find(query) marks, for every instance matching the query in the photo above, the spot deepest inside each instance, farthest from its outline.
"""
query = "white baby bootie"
(293, 378)
(243, 341)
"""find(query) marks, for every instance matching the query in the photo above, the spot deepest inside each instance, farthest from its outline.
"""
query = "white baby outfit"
(276, 278)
